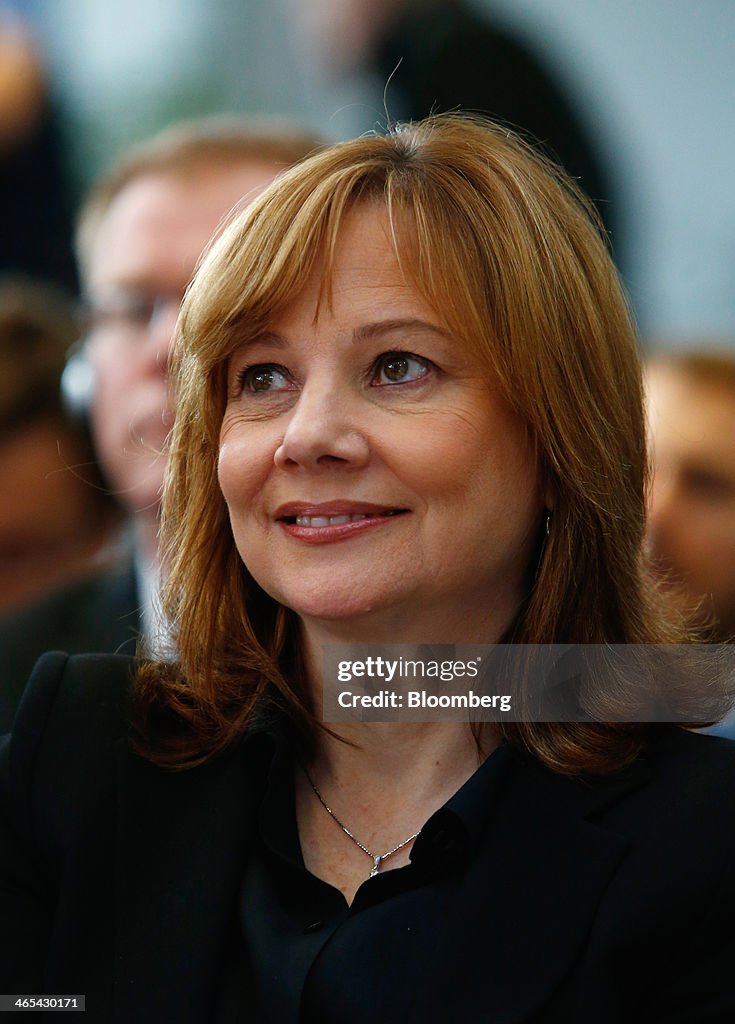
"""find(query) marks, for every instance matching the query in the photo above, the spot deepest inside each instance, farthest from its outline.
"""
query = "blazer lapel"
(529, 899)
(182, 845)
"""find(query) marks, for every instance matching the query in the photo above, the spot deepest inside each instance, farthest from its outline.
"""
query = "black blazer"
(592, 903)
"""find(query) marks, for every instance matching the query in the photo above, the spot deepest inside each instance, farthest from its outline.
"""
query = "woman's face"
(374, 479)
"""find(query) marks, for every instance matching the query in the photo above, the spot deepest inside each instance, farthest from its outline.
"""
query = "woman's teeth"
(328, 520)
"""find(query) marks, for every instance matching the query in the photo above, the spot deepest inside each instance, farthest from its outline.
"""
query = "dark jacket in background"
(35, 207)
(451, 58)
(99, 614)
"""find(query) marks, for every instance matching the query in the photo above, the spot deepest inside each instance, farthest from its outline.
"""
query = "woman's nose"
(323, 432)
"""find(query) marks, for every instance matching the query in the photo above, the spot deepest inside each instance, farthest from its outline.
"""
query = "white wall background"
(657, 78)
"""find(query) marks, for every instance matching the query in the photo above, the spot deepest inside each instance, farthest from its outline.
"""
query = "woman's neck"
(382, 784)
(393, 749)
(396, 759)
(382, 780)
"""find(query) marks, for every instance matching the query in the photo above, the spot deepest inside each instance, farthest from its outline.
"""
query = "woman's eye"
(257, 379)
(399, 368)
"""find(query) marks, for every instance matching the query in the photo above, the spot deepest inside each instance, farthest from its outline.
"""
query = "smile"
(337, 521)
(320, 521)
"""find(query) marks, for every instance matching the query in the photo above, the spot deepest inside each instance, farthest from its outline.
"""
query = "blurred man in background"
(57, 523)
(691, 530)
(141, 232)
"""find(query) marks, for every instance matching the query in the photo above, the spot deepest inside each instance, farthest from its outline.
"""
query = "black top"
(300, 931)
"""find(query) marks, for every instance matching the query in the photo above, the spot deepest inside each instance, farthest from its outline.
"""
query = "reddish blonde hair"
(507, 251)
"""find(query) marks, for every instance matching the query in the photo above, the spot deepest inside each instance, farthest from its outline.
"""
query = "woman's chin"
(348, 616)
(336, 598)
(335, 611)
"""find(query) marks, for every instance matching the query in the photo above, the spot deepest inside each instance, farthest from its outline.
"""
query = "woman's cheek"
(234, 471)
(244, 466)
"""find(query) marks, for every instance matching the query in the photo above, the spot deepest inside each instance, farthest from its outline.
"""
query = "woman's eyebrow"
(410, 325)
(361, 334)
(270, 338)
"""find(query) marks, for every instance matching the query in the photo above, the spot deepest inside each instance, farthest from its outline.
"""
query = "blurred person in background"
(35, 202)
(691, 506)
(56, 521)
(140, 234)
(431, 56)
(691, 514)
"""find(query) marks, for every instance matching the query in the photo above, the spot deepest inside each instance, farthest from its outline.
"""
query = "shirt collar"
(453, 833)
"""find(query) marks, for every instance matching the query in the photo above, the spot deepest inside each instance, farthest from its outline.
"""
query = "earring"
(548, 521)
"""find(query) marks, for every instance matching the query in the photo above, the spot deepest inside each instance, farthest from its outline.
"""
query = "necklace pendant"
(376, 866)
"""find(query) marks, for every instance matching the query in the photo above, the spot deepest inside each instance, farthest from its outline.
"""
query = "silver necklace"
(377, 858)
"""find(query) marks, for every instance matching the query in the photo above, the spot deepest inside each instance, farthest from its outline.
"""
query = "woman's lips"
(320, 524)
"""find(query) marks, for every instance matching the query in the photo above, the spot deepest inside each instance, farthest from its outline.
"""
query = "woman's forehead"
(370, 246)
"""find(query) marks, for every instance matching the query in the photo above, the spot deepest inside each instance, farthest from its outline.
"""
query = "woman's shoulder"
(691, 763)
(75, 692)
(680, 801)
(71, 720)
(675, 800)
(682, 772)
